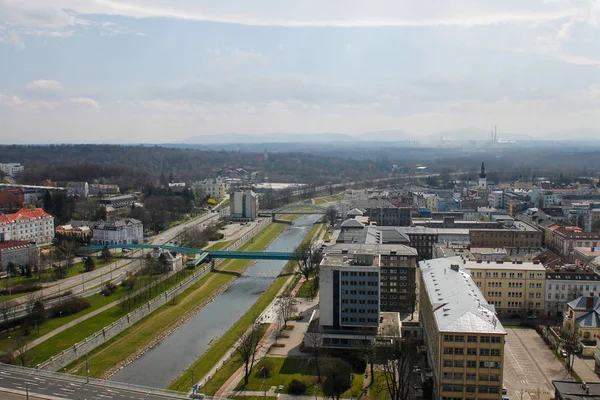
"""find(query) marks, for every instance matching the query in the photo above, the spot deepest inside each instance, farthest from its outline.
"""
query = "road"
(46, 385)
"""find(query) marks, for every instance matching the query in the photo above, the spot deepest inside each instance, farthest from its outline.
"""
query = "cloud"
(44, 84)
(348, 46)
(85, 102)
(301, 13)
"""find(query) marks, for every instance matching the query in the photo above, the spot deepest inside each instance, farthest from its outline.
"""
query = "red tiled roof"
(24, 214)
(14, 243)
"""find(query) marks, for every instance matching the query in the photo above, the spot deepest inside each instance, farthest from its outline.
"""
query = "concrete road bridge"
(298, 208)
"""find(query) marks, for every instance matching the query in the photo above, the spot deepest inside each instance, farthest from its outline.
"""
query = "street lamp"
(87, 369)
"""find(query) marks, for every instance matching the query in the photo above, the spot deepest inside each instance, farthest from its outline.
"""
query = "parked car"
(504, 390)
(563, 353)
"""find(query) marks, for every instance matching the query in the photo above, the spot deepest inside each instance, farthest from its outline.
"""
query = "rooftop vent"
(499, 261)
(454, 267)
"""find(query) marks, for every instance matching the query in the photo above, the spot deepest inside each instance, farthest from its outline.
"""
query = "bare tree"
(247, 347)
(368, 348)
(396, 361)
(20, 350)
(67, 249)
(311, 258)
(314, 341)
(8, 308)
(286, 308)
(331, 214)
(571, 338)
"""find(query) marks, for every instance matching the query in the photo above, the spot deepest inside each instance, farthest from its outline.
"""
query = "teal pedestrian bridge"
(206, 254)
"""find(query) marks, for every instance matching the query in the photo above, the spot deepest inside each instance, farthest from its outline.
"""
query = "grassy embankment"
(149, 329)
(203, 366)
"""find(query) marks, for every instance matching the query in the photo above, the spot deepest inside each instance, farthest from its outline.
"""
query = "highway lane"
(62, 386)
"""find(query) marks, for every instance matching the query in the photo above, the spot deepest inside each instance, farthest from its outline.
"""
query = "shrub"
(17, 289)
(297, 387)
(264, 368)
(129, 283)
(68, 306)
(108, 289)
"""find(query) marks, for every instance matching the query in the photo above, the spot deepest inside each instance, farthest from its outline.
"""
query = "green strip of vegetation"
(305, 290)
(110, 354)
(218, 246)
(218, 350)
(77, 333)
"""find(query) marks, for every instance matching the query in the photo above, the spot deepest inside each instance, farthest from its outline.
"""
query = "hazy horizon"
(158, 71)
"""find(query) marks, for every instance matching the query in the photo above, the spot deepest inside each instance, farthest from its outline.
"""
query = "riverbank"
(220, 349)
(126, 347)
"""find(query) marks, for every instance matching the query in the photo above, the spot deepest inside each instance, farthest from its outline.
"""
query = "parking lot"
(530, 365)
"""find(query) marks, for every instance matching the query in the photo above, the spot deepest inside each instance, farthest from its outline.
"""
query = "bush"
(297, 387)
(18, 289)
(68, 306)
(264, 368)
(129, 283)
(108, 289)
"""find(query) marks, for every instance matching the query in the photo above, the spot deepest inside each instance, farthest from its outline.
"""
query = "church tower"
(482, 178)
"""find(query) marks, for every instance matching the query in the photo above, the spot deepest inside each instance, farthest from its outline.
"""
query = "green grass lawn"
(125, 344)
(97, 301)
(305, 289)
(218, 245)
(77, 333)
(324, 200)
(377, 390)
(287, 369)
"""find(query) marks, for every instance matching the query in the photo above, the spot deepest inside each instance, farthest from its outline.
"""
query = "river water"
(162, 364)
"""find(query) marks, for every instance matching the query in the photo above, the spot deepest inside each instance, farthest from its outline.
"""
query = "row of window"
(472, 339)
(471, 351)
(358, 273)
(360, 283)
(459, 376)
(360, 310)
(359, 301)
(352, 319)
(471, 389)
(361, 292)
(393, 278)
(568, 287)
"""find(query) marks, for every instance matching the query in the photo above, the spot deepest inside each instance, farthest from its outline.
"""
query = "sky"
(157, 71)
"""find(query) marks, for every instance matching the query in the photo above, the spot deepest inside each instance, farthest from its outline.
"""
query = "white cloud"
(44, 84)
(348, 46)
(85, 102)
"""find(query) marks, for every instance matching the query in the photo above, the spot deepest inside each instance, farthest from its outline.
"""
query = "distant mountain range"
(389, 136)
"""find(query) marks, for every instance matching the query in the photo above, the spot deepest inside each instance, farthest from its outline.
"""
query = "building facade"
(464, 338)
(97, 189)
(516, 287)
(566, 285)
(528, 236)
(119, 231)
(243, 205)
(18, 252)
(566, 238)
(397, 265)
(496, 199)
(81, 189)
(29, 224)
(216, 188)
(11, 169)
(421, 239)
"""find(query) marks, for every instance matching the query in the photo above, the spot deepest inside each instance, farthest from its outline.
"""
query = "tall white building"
(243, 205)
(119, 231)
(216, 188)
(567, 285)
(11, 169)
(496, 199)
(31, 224)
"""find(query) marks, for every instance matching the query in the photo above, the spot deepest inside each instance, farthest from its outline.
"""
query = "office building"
(515, 234)
(513, 287)
(397, 264)
(464, 338)
(243, 205)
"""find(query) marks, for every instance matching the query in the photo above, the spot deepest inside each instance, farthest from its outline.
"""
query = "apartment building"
(382, 212)
(18, 252)
(565, 284)
(80, 189)
(243, 205)
(97, 189)
(421, 239)
(11, 169)
(397, 265)
(30, 224)
(465, 340)
(514, 287)
(519, 234)
(566, 238)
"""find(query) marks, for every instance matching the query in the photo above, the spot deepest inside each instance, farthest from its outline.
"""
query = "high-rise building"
(243, 205)
(464, 338)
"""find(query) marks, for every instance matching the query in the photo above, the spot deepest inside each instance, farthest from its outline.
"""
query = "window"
(472, 339)
(459, 338)
(471, 351)
(471, 364)
(459, 350)
(495, 352)
(496, 339)
(448, 338)
(484, 339)
(471, 377)
(458, 363)
(484, 352)
(448, 350)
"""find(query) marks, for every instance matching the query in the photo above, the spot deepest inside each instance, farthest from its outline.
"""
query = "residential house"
(215, 188)
(583, 313)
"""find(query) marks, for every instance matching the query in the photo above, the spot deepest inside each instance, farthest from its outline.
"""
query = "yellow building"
(514, 287)
(465, 340)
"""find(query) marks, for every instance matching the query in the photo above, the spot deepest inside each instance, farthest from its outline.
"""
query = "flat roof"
(458, 305)
(506, 265)
(359, 248)
(350, 260)
(578, 390)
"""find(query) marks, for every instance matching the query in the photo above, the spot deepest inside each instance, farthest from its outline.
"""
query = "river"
(162, 364)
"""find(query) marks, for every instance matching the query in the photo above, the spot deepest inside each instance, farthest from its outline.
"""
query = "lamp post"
(87, 369)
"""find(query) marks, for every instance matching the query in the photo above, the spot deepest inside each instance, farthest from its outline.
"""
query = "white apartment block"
(215, 188)
(566, 285)
(29, 224)
(11, 169)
